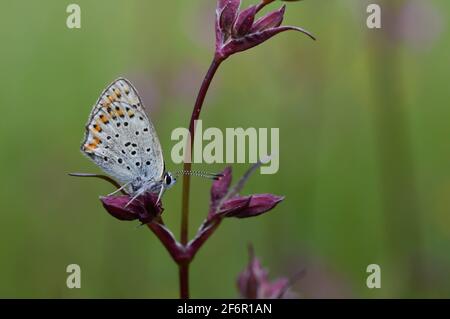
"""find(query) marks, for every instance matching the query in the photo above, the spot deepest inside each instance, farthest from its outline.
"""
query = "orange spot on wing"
(96, 141)
(104, 119)
(97, 128)
(89, 147)
(112, 97)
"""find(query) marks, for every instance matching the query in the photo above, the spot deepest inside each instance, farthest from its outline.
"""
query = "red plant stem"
(187, 164)
(184, 280)
(202, 237)
(176, 251)
(193, 249)
(184, 266)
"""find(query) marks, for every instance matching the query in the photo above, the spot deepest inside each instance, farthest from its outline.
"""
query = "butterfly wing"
(120, 138)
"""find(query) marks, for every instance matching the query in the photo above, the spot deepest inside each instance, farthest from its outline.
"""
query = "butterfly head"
(169, 180)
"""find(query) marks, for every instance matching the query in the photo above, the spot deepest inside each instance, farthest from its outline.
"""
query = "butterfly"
(122, 141)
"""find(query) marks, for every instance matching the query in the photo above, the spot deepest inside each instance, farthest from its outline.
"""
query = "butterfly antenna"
(200, 174)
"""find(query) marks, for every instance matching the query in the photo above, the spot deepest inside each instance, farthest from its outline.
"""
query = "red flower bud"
(253, 282)
(237, 31)
(244, 22)
(250, 206)
(271, 20)
(143, 208)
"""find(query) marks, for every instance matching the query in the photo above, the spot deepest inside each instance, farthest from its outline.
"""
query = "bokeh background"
(363, 117)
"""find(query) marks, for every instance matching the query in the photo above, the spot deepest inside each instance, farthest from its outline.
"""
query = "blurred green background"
(364, 164)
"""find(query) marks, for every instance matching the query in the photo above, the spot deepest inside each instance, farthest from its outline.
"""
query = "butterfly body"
(123, 142)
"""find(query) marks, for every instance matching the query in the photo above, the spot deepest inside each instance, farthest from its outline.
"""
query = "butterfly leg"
(139, 193)
(160, 193)
(119, 189)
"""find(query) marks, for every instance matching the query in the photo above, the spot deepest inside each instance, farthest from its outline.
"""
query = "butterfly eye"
(168, 179)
